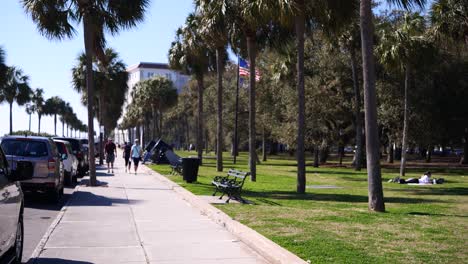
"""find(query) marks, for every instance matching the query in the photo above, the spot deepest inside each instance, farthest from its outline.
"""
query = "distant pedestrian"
(136, 152)
(126, 156)
(111, 151)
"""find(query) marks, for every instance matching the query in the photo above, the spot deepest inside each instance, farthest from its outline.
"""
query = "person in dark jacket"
(126, 156)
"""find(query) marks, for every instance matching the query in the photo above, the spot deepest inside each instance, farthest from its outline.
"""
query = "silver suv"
(48, 175)
(11, 209)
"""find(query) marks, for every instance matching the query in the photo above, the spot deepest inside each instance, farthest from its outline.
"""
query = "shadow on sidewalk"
(56, 261)
(81, 198)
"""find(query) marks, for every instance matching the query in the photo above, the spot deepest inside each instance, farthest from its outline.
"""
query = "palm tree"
(248, 21)
(449, 23)
(190, 54)
(54, 106)
(157, 94)
(54, 19)
(449, 18)
(3, 67)
(374, 177)
(15, 89)
(111, 86)
(331, 14)
(215, 33)
(38, 105)
(65, 112)
(30, 109)
(399, 48)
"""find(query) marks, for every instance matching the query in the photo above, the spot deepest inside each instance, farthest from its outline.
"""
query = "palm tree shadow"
(430, 214)
(331, 197)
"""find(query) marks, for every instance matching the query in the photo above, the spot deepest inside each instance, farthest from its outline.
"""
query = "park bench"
(230, 185)
(175, 162)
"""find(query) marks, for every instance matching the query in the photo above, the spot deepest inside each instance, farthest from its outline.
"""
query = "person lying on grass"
(425, 179)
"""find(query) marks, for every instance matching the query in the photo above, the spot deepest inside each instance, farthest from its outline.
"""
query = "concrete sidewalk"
(136, 219)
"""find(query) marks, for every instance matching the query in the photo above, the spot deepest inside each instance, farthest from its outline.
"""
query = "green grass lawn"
(423, 224)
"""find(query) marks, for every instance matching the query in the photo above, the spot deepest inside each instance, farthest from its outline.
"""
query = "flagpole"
(236, 114)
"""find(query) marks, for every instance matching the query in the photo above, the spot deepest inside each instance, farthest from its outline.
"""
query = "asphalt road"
(39, 214)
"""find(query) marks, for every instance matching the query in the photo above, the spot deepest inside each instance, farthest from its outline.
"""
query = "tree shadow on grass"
(332, 197)
(435, 191)
(430, 214)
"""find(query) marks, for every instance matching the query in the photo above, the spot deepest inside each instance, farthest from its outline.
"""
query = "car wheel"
(55, 195)
(75, 178)
(68, 178)
(19, 241)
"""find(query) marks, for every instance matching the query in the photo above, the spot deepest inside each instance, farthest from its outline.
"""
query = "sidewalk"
(137, 219)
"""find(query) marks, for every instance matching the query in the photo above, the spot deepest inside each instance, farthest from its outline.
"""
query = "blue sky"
(48, 63)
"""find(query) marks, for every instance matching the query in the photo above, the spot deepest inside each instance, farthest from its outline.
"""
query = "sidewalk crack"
(136, 228)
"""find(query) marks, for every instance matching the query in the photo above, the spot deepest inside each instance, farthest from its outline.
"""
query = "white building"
(143, 71)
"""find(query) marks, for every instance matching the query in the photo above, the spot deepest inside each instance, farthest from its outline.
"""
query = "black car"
(80, 152)
(11, 209)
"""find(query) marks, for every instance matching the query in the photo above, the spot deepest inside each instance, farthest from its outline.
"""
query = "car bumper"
(42, 184)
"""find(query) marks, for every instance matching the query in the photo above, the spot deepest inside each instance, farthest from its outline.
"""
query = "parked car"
(42, 152)
(80, 152)
(70, 162)
(11, 209)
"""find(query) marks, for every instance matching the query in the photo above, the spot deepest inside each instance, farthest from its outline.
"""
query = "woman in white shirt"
(136, 152)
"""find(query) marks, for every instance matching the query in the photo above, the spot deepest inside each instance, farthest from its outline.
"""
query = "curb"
(268, 249)
(40, 246)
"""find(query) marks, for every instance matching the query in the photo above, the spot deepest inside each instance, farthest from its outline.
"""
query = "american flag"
(244, 69)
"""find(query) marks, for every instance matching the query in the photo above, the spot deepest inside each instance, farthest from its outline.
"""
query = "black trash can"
(190, 169)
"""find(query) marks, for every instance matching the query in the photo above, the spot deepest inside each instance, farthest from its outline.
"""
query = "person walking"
(136, 152)
(126, 156)
(111, 151)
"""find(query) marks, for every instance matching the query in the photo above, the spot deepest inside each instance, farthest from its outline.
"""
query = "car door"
(9, 207)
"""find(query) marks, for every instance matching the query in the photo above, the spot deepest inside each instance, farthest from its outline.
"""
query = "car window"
(2, 161)
(74, 143)
(3, 177)
(68, 146)
(25, 148)
(60, 147)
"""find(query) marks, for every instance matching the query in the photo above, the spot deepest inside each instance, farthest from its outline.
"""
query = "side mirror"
(24, 171)
(64, 156)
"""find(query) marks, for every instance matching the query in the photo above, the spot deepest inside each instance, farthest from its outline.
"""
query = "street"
(39, 213)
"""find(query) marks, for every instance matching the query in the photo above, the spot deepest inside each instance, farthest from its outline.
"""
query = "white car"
(70, 161)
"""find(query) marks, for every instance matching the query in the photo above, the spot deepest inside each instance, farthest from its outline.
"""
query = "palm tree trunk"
(316, 156)
(357, 112)
(101, 145)
(251, 48)
(264, 153)
(464, 159)
(301, 172)
(405, 125)
(219, 125)
(11, 118)
(160, 121)
(89, 41)
(375, 190)
(154, 120)
(55, 124)
(200, 118)
(390, 152)
(29, 122)
(39, 116)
